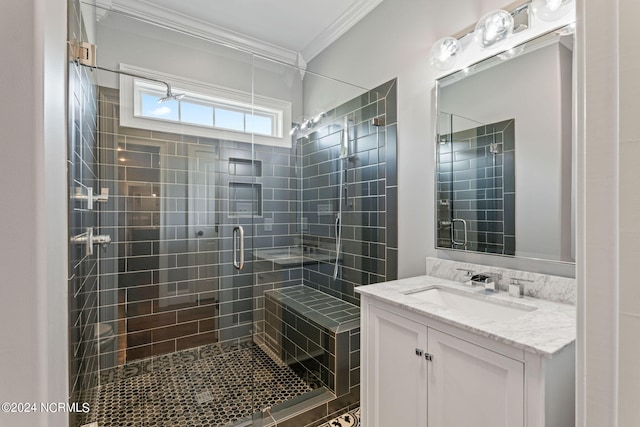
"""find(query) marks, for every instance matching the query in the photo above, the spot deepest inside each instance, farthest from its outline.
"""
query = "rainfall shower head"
(170, 96)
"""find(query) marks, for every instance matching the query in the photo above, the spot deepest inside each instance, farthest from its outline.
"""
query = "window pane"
(259, 124)
(165, 111)
(228, 119)
(196, 113)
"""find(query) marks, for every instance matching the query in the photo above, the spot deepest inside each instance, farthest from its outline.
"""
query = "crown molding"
(102, 8)
(163, 16)
(351, 17)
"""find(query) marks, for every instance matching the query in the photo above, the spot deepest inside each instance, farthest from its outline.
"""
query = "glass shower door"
(475, 170)
(180, 311)
(462, 183)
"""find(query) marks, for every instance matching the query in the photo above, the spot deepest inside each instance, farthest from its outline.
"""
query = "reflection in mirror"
(476, 186)
(504, 160)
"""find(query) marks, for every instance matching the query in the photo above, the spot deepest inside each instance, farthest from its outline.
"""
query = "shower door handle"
(238, 232)
(464, 228)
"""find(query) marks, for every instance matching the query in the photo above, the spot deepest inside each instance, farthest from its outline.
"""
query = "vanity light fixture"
(550, 10)
(307, 124)
(493, 28)
(443, 53)
(319, 117)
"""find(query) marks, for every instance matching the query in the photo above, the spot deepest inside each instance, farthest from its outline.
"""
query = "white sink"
(476, 305)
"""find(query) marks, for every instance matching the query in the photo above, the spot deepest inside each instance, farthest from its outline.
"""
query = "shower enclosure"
(217, 300)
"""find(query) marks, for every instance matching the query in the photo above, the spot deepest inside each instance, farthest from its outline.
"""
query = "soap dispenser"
(516, 289)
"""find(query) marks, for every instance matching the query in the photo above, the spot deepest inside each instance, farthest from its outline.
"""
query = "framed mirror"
(504, 163)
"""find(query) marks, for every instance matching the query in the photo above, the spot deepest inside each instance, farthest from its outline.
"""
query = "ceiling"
(294, 31)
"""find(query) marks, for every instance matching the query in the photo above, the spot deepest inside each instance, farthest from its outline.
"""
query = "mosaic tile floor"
(213, 387)
(350, 419)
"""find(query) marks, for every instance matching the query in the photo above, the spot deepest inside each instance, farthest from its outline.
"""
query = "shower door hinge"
(83, 53)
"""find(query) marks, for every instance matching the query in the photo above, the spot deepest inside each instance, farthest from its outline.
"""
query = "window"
(205, 110)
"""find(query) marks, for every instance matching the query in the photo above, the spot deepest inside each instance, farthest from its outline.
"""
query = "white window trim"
(130, 117)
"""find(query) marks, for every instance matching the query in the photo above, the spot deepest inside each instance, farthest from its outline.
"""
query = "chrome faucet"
(469, 272)
(490, 281)
(516, 289)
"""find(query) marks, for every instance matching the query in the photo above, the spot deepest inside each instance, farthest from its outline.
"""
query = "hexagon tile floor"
(210, 386)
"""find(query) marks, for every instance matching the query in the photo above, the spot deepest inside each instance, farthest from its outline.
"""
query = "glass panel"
(259, 124)
(168, 110)
(197, 114)
(341, 168)
(228, 119)
(176, 306)
(172, 307)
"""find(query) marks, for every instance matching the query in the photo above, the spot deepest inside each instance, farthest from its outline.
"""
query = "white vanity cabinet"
(394, 379)
(418, 371)
(469, 385)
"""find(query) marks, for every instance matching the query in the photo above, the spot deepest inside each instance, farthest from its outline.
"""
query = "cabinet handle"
(428, 356)
(418, 352)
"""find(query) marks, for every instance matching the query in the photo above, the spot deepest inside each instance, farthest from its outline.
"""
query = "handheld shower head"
(170, 97)
(344, 143)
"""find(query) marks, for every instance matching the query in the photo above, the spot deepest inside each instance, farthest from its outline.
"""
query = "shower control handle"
(238, 234)
(91, 198)
(88, 238)
(101, 239)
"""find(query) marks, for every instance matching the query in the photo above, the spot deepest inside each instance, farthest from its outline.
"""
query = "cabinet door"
(470, 386)
(396, 377)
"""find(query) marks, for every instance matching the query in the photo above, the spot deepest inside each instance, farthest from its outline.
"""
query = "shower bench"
(316, 330)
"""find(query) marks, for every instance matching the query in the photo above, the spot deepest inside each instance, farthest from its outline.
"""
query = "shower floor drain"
(204, 397)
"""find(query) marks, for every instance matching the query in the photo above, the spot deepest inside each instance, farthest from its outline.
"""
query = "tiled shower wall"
(478, 186)
(82, 170)
(369, 225)
(167, 281)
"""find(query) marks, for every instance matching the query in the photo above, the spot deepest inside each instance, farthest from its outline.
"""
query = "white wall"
(629, 177)
(598, 254)
(33, 255)
(609, 219)
(528, 89)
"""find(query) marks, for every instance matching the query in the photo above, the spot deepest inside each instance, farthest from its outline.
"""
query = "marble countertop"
(544, 331)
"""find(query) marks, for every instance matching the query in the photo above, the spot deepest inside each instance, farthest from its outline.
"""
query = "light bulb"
(553, 5)
(319, 117)
(551, 10)
(493, 28)
(443, 53)
(511, 53)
